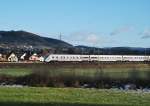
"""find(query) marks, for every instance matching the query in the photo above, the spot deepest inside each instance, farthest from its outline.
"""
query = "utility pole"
(59, 48)
(145, 54)
(60, 36)
(145, 51)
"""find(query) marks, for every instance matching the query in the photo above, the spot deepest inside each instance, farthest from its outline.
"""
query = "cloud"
(86, 38)
(92, 38)
(122, 30)
(145, 34)
(145, 37)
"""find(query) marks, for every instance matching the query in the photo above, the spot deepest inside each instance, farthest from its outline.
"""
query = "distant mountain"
(114, 50)
(21, 39)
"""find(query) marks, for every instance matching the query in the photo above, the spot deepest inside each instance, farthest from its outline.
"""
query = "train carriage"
(85, 57)
(110, 58)
(59, 57)
(94, 58)
(134, 58)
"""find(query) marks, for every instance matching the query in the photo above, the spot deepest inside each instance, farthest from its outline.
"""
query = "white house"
(13, 58)
(41, 59)
(23, 56)
(0, 55)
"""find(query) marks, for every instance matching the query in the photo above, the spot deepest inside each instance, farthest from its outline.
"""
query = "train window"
(94, 57)
(85, 57)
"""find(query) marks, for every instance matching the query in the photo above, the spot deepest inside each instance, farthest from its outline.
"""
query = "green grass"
(70, 97)
(127, 72)
(15, 71)
(142, 73)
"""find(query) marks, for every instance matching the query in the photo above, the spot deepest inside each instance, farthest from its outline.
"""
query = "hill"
(21, 39)
(26, 41)
(114, 50)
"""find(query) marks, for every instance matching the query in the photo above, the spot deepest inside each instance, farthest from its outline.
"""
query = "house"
(1, 55)
(2, 58)
(41, 59)
(12, 58)
(23, 57)
(34, 57)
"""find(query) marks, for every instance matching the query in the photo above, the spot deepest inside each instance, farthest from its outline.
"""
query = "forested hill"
(26, 39)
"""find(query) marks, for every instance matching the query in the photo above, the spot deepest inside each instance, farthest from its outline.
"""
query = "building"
(23, 57)
(2, 58)
(41, 59)
(12, 58)
(34, 57)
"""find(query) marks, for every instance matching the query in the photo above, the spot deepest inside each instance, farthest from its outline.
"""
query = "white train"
(80, 58)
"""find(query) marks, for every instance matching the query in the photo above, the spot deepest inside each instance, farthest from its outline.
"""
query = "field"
(71, 97)
(15, 71)
(75, 74)
(70, 80)
(88, 70)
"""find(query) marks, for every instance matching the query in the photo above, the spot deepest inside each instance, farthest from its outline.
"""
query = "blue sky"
(100, 23)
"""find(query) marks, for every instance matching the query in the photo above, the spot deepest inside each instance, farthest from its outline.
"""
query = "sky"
(99, 23)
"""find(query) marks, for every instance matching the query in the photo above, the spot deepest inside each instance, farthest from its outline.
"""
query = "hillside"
(115, 50)
(21, 39)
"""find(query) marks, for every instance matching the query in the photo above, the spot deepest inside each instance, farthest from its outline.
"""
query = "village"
(12, 57)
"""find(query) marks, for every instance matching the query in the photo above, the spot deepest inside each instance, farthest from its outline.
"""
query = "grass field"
(75, 75)
(15, 71)
(80, 72)
(70, 97)
(31, 96)
(105, 72)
